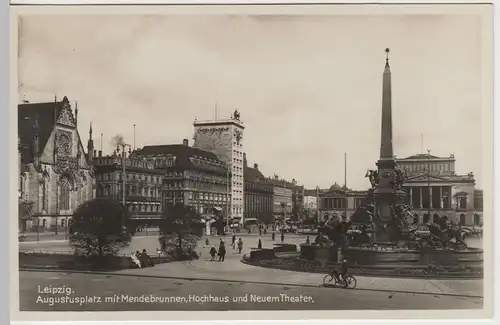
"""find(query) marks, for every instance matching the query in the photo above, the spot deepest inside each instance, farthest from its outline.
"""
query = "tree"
(99, 227)
(181, 227)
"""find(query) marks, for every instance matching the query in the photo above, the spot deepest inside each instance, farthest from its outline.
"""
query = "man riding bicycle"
(341, 272)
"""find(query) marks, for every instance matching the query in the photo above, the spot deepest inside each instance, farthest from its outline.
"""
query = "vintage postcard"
(273, 161)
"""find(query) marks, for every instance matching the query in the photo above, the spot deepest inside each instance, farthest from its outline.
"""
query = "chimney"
(185, 142)
(100, 153)
(256, 166)
(95, 152)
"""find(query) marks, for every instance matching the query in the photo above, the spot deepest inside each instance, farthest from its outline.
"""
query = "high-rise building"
(224, 138)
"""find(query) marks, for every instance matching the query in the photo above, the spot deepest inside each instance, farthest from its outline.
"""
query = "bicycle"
(349, 281)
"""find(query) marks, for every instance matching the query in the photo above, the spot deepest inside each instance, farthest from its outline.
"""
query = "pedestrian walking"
(240, 245)
(307, 240)
(233, 242)
(259, 245)
(222, 251)
(273, 236)
(282, 236)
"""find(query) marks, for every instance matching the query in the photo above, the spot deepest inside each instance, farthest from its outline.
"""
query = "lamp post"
(429, 183)
(227, 197)
(123, 146)
(317, 204)
(345, 184)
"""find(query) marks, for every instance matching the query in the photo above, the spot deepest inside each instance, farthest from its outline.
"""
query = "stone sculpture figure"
(236, 115)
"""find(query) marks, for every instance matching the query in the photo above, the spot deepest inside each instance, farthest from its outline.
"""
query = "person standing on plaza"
(222, 251)
(282, 236)
(233, 242)
(273, 236)
(240, 245)
(308, 241)
(259, 245)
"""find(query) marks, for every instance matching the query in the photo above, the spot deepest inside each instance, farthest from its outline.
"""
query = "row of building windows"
(237, 153)
(205, 164)
(208, 196)
(107, 190)
(144, 207)
(258, 203)
(423, 167)
(237, 161)
(128, 176)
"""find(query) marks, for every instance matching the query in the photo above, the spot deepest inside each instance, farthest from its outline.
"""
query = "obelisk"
(386, 151)
(386, 194)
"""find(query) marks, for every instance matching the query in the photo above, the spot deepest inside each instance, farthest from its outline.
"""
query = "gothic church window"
(65, 191)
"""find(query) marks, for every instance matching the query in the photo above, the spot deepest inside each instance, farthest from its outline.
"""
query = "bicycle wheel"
(351, 282)
(328, 280)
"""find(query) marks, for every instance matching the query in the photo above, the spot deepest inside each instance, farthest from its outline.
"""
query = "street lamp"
(123, 146)
(429, 182)
(317, 204)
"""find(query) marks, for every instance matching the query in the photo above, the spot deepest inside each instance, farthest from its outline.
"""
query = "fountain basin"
(407, 258)
(366, 261)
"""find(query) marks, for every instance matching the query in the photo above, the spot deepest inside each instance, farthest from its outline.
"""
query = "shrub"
(99, 227)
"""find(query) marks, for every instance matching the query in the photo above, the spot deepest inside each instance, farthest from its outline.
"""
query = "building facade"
(55, 173)
(191, 176)
(310, 204)
(258, 196)
(143, 185)
(225, 139)
(435, 189)
(337, 201)
(428, 179)
(283, 200)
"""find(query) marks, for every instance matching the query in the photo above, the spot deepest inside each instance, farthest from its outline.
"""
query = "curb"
(244, 282)
(368, 274)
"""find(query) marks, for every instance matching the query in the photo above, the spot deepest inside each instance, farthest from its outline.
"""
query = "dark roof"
(252, 174)
(46, 115)
(420, 156)
(180, 151)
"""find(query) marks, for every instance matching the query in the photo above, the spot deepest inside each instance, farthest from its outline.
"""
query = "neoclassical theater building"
(55, 175)
(433, 187)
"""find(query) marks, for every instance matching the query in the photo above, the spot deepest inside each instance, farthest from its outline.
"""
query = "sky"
(309, 88)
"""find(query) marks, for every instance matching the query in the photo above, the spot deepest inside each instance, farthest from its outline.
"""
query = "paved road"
(124, 294)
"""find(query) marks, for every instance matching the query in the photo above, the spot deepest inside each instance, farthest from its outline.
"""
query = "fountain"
(392, 241)
(381, 237)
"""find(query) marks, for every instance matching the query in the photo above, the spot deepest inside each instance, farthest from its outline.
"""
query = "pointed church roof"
(46, 114)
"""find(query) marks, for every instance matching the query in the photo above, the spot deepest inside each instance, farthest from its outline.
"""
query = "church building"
(55, 174)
